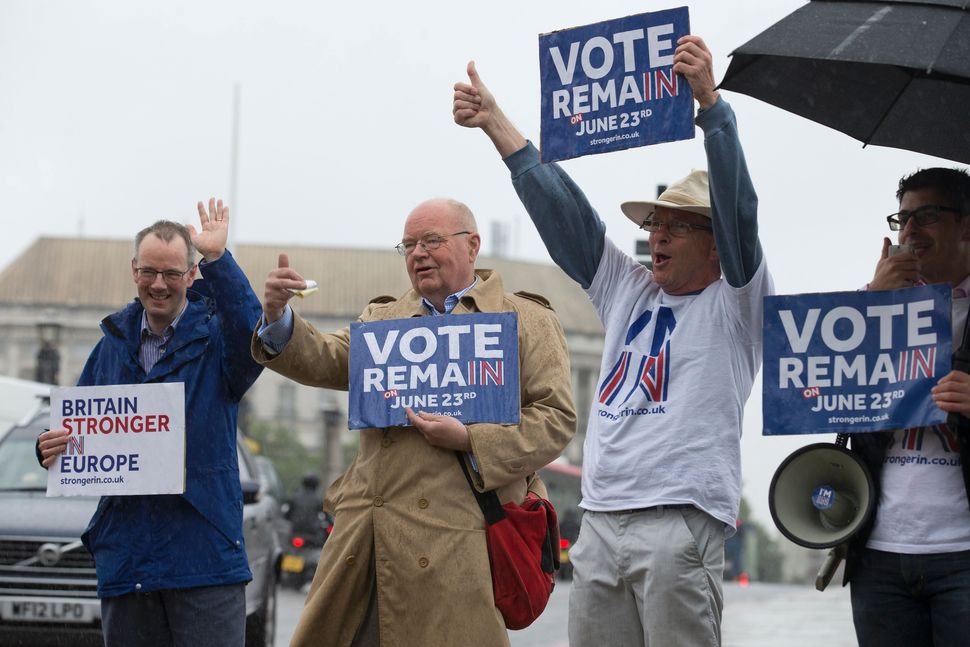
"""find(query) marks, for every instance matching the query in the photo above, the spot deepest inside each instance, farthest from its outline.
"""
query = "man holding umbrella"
(909, 568)
(661, 472)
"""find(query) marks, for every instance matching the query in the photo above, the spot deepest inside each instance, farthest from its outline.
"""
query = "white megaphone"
(819, 497)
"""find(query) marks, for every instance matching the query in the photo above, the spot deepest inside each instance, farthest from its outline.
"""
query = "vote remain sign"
(465, 366)
(611, 85)
(855, 361)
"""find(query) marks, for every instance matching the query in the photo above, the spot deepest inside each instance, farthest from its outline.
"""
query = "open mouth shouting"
(660, 260)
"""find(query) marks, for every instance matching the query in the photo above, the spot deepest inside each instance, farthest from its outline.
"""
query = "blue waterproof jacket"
(148, 543)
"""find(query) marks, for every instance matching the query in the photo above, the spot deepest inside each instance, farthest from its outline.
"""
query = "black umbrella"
(889, 73)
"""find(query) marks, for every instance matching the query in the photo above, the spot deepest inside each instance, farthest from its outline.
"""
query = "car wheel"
(261, 626)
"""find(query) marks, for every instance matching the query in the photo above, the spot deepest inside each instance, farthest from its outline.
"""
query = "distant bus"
(563, 483)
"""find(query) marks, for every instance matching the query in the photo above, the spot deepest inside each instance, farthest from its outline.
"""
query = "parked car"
(273, 486)
(47, 578)
(20, 400)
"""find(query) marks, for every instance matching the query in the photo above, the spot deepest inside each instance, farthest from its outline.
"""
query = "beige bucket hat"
(687, 194)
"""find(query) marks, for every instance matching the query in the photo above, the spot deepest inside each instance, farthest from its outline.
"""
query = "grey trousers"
(647, 578)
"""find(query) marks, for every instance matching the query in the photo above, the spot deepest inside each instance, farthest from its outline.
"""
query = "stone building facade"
(59, 289)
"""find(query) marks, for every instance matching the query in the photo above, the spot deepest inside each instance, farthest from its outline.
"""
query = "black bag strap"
(487, 501)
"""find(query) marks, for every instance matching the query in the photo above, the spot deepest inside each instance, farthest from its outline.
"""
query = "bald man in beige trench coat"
(406, 565)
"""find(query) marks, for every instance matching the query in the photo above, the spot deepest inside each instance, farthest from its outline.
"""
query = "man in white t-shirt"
(661, 469)
(910, 567)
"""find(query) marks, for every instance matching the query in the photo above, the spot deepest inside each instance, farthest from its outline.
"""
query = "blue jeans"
(910, 600)
(213, 616)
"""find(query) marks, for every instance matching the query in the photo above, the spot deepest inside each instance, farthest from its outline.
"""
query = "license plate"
(293, 564)
(47, 611)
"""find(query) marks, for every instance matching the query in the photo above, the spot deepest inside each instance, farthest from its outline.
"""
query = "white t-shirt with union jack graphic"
(665, 426)
(923, 501)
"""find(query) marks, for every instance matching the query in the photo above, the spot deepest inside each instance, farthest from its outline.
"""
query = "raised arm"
(569, 227)
(236, 304)
(734, 203)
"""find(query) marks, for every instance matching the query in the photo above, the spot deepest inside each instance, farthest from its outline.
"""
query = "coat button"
(138, 587)
(386, 442)
(422, 503)
(350, 560)
(378, 501)
(423, 562)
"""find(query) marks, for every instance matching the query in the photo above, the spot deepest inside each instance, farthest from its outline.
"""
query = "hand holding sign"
(952, 393)
(279, 287)
(894, 272)
(52, 444)
(693, 59)
(440, 431)
(475, 107)
(211, 241)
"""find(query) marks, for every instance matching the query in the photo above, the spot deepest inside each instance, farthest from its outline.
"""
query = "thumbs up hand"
(474, 106)
(281, 284)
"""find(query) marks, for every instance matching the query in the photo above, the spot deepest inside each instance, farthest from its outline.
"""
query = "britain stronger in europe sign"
(124, 439)
(465, 366)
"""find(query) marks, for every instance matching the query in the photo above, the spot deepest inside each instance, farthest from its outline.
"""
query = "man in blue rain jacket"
(172, 569)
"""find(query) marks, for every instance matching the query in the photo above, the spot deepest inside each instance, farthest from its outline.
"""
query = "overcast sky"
(116, 113)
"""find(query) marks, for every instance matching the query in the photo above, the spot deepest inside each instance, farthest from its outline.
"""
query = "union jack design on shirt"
(948, 439)
(652, 372)
(913, 438)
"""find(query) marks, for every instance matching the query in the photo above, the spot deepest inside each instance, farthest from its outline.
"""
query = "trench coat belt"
(657, 508)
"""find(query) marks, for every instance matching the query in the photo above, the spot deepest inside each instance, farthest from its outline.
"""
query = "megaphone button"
(823, 497)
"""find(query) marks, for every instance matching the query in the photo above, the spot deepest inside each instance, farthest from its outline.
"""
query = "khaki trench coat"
(405, 507)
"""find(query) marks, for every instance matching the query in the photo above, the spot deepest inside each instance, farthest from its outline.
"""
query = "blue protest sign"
(465, 366)
(611, 86)
(855, 361)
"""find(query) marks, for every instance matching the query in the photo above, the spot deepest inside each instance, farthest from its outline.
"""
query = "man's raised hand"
(277, 291)
(211, 241)
(893, 272)
(693, 59)
(475, 107)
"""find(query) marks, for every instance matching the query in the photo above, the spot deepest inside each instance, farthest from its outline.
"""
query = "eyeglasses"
(675, 227)
(923, 216)
(430, 243)
(148, 274)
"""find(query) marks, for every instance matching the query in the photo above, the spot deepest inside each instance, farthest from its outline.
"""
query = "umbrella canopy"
(889, 73)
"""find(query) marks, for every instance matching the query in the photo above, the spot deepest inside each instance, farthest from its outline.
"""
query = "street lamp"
(48, 356)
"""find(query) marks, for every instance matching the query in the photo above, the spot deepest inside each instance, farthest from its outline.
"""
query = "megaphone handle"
(830, 565)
